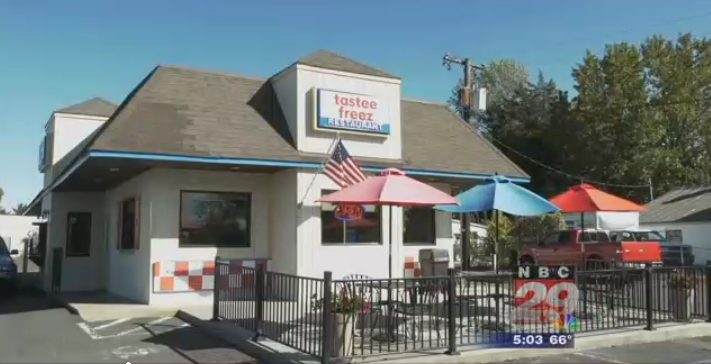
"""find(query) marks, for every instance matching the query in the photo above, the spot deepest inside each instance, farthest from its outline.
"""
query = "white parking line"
(94, 336)
(88, 331)
(112, 323)
(597, 357)
(137, 329)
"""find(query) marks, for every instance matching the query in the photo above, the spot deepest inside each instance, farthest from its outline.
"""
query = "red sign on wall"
(349, 212)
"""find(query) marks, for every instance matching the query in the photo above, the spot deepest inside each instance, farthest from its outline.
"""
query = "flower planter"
(342, 344)
(680, 303)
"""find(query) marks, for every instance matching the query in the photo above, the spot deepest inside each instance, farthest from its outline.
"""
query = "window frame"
(136, 224)
(248, 218)
(68, 239)
(434, 227)
(379, 209)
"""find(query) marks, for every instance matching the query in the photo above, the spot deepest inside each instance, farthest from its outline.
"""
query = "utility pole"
(465, 104)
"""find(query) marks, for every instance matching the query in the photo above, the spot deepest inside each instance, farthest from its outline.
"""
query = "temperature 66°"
(558, 340)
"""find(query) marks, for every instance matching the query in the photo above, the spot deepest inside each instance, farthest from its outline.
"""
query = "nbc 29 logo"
(546, 295)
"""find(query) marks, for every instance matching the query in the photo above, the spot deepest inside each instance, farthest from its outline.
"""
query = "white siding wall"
(283, 211)
(696, 234)
(370, 259)
(387, 90)
(70, 130)
(78, 273)
(166, 185)
(129, 270)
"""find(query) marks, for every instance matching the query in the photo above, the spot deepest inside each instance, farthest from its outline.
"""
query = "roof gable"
(680, 205)
(332, 61)
(203, 114)
(92, 107)
(460, 148)
(188, 112)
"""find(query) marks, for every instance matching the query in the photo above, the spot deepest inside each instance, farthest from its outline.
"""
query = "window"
(419, 225)
(558, 238)
(128, 231)
(361, 231)
(599, 236)
(649, 236)
(78, 234)
(215, 219)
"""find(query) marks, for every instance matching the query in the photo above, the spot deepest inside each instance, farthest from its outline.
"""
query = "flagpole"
(320, 168)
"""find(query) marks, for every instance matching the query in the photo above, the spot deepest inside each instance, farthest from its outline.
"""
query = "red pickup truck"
(596, 252)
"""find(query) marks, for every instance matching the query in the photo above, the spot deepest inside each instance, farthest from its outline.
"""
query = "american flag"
(342, 169)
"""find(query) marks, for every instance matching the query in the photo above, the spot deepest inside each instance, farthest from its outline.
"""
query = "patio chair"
(371, 295)
(421, 302)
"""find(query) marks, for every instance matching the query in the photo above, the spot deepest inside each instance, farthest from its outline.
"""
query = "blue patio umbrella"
(500, 194)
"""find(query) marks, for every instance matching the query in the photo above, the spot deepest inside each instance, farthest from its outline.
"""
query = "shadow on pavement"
(20, 300)
(191, 343)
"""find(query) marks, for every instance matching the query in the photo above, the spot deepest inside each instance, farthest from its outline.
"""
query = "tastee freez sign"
(337, 110)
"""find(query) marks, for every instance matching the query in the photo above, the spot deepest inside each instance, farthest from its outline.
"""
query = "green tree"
(528, 230)
(19, 209)
(502, 79)
(499, 231)
(640, 112)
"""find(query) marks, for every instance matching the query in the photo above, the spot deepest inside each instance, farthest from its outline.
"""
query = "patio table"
(393, 291)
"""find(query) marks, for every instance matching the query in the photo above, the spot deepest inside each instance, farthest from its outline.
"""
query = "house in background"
(139, 199)
(15, 229)
(685, 215)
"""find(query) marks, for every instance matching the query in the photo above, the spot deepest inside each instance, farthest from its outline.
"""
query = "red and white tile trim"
(412, 268)
(195, 276)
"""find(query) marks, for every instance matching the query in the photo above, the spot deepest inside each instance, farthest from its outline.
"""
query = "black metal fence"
(363, 316)
(274, 305)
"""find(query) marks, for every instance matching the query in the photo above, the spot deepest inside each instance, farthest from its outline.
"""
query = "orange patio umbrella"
(586, 198)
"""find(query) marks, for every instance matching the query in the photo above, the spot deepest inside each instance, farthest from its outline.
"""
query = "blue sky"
(56, 53)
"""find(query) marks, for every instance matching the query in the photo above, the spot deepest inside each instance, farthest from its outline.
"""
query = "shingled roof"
(188, 112)
(332, 61)
(92, 107)
(680, 205)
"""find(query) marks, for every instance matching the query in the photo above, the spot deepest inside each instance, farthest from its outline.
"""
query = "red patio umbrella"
(391, 188)
(586, 198)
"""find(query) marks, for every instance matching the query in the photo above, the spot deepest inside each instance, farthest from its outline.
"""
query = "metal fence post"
(648, 297)
(216, 291)
(452, 324)
(326, 321)
(259, 300)
(708, 293)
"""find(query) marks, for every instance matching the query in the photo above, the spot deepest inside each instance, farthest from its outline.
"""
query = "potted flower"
(346, 306)
(681, 295)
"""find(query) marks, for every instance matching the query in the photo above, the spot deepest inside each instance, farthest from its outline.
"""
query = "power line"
(572, 176)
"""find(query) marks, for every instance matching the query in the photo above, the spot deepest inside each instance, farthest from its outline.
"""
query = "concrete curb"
(583, 342)
(60, 302)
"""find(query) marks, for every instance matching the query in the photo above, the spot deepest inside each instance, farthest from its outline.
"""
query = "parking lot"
(33, 330)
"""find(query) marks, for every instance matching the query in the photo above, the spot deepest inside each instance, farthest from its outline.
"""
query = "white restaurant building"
(196, 164)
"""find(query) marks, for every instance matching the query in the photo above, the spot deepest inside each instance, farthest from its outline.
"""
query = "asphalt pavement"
(34, 330)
